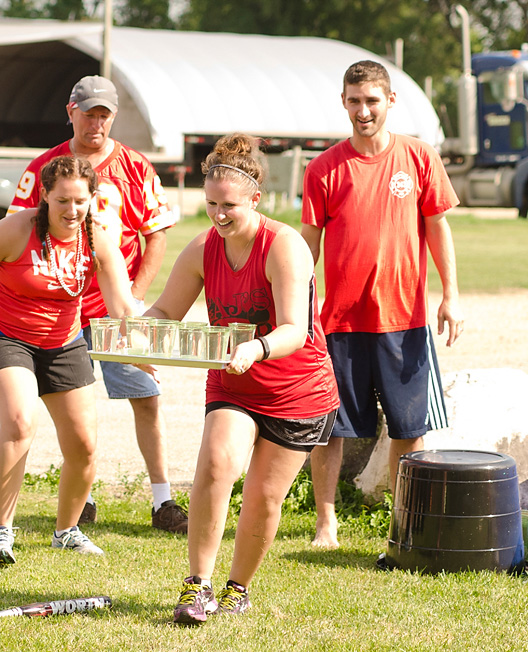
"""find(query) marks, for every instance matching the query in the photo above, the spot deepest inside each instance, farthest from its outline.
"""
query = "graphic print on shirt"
(254, 308)
(107, 209)
(247, 306)
(401, 184)
(65, 264)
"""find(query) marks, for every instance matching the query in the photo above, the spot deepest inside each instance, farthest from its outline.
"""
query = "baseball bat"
(59, 607)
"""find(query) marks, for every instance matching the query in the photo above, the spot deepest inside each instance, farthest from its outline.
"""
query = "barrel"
(456, 510)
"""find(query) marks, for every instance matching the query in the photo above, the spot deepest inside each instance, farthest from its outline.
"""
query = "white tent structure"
(174, 85)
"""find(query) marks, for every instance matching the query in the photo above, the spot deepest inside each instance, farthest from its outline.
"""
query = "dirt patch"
(495, 336)
(495, 332)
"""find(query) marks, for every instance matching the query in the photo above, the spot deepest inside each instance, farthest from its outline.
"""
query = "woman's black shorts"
(295, 434)
(56, 370)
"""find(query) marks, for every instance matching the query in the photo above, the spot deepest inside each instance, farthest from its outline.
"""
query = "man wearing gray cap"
(130, 201)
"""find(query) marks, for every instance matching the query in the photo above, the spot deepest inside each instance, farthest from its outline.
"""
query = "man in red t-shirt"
(130, 201)
(381, 200)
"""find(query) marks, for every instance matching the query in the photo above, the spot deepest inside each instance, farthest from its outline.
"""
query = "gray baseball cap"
(94, 91)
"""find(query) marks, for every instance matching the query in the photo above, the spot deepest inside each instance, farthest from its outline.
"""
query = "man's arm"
(155, 245)
(440, 243)
(27, 193)
(312, 235)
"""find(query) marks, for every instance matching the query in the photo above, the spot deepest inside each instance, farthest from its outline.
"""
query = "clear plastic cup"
(192, 338)
(105, 333)
(176, 344)
(216, 342)
(240, 333)
(162, 337)
(138, 335)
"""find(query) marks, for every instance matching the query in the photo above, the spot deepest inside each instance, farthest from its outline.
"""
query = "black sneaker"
(234, 599)
(195, 604)
(89, 514)
(170, 517)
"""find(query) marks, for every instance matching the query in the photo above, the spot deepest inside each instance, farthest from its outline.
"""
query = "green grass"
(303, 599)
(491, 253)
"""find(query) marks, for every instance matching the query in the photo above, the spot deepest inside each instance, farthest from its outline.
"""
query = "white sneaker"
(7, 538)
(74, 539)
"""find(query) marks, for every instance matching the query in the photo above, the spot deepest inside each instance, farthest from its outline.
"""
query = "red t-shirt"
(35, 307)
(300, 385)
(130, 200)
(375, 252)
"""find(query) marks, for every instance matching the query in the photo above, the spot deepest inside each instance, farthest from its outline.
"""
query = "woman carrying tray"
(277, 397)
(48, 256)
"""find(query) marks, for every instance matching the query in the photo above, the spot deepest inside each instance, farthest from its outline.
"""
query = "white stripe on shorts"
(435, 401)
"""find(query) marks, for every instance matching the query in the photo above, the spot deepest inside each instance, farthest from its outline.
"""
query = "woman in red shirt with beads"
(48, 256)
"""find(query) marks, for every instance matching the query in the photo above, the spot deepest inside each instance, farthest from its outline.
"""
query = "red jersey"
(300, 385)
(35, 307)
(375, 252)
(130, 200)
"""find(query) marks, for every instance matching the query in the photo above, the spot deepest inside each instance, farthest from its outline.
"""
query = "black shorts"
(294, 434)
(56, 370)
(400, 370)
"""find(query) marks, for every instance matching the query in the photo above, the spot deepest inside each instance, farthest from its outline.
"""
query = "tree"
(20, 9)
(499, 24)
(65, 10)
(153, 14)
(132, 13)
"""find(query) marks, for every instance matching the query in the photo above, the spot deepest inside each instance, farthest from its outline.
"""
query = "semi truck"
(488, 162)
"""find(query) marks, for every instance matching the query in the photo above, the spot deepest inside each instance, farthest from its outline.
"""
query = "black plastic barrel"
(456, 510)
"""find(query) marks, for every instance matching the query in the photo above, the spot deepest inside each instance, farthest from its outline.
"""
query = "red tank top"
(35, 308)
(300, 385)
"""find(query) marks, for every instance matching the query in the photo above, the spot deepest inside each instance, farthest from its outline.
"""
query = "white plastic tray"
(171, 362)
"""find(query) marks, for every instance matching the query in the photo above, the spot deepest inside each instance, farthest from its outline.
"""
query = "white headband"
(232, 167)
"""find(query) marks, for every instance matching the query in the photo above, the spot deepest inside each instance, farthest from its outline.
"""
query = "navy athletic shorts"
(294, 434)
(400, 370)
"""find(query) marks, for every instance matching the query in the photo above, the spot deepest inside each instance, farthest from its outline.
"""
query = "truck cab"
(501, 107)
(488, 164)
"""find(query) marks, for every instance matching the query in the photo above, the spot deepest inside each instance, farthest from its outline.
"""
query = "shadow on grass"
(43, 524)
(342, 558)
(138, 530)
(40, 523)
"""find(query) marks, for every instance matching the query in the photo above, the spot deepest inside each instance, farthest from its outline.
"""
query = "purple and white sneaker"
(233, 600)
(196, 602)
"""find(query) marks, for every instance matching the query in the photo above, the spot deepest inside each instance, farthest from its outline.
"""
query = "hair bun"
(236, 144)
(239, 151)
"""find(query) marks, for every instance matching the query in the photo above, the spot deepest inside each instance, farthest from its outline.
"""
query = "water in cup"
(105, 333)
(162, 337)
(192, 340)
(216, 341)
(239, 333)
(138, 335)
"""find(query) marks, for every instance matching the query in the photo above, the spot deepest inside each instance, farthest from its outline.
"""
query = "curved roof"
(173, 83)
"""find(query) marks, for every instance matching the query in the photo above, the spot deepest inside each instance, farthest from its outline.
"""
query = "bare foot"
(326, 536)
